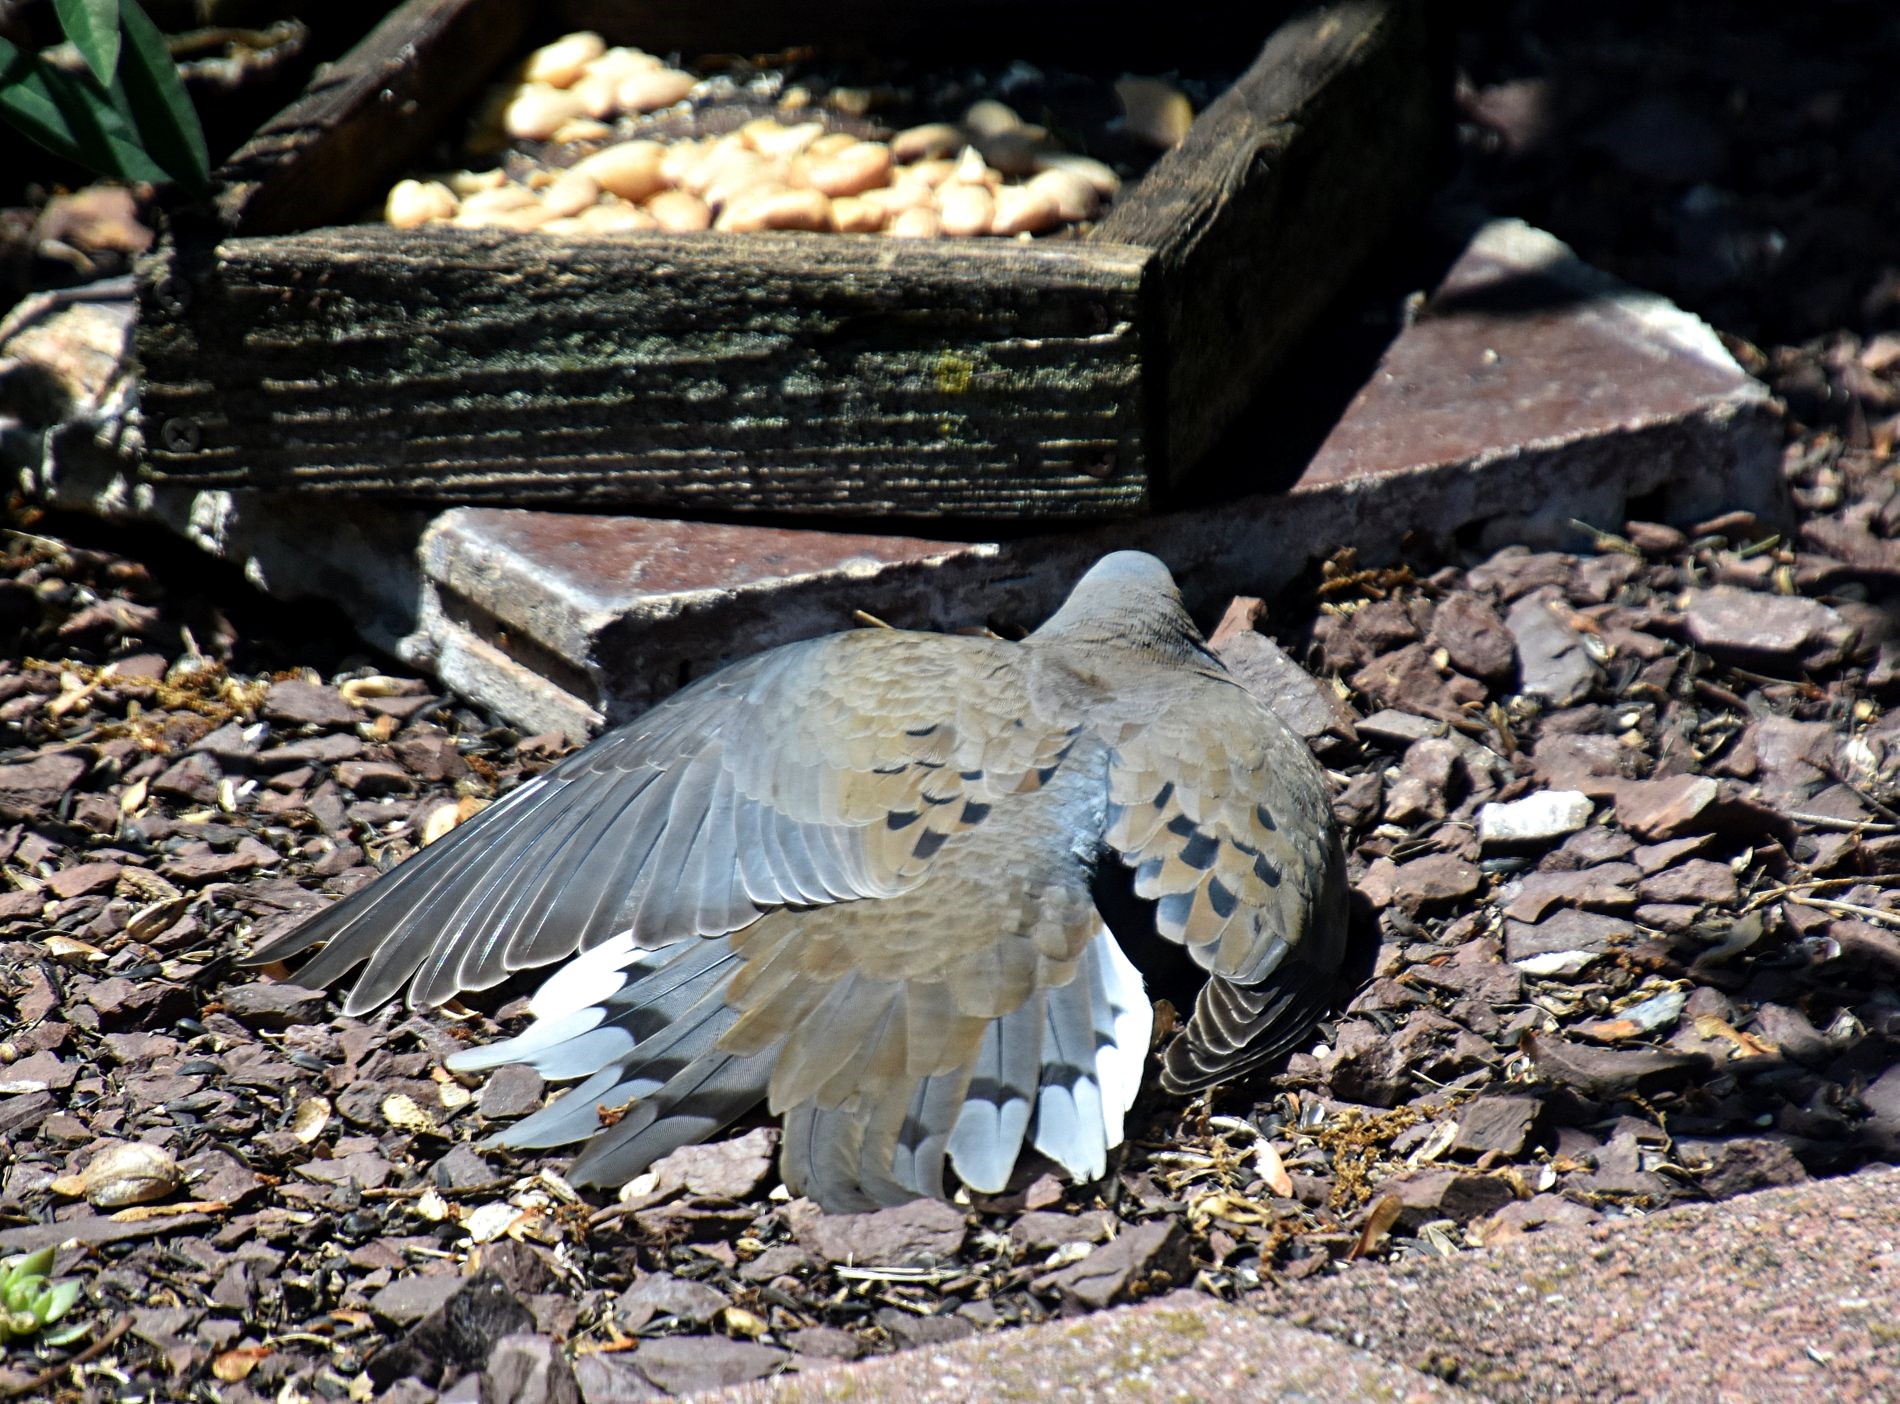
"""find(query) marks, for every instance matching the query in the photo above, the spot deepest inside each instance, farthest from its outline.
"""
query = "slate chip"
(922, 1232)
(1144, 1257)
(691, 1364)
(298, 703)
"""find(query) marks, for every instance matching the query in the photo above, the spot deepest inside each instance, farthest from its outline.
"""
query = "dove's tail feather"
(638, 1026)
(698, 1102)
(1066, 1062)
(644, 1027)
(989, 1129)
(1095, 1041)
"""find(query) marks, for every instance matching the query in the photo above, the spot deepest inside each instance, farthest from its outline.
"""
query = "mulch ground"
(1625, 824)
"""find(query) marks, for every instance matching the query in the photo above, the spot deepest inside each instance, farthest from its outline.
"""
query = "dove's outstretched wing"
(818, 772)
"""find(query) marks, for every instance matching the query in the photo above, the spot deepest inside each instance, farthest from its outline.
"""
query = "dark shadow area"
(1742, 160)
(227, 616)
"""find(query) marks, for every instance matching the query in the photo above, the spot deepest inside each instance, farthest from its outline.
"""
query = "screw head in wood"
(179, 435)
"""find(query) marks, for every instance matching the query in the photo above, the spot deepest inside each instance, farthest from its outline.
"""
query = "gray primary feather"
(850, 878)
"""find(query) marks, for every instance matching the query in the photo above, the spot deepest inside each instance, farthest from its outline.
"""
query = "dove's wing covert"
(817, 772)
(1226, 821)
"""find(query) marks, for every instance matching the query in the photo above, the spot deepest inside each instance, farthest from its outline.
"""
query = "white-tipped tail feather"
(642, 1027)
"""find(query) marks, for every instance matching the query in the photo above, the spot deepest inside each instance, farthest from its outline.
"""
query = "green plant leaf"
(156, 101)
(93, 26)
(31, 1264)
(57, 1300)
(66, 1335)
(71, 116)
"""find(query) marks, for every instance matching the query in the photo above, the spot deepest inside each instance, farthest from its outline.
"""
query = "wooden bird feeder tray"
(850, 375)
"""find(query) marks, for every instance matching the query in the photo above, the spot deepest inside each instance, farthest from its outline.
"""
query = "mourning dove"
(853, 878)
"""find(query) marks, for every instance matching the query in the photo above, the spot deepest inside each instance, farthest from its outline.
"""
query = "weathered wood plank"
(1284, 186)
(727, 373)
(368, 116)
(1071, 33)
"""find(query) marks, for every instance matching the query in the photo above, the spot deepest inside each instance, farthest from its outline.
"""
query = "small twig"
(1608, 540)
(864, 616)
(446, 1191)
(1860, 792)
(53, 1372)
(1845, 826)
(600, 1218)
(896, 1274)
(1795, 889)
(1851, 909)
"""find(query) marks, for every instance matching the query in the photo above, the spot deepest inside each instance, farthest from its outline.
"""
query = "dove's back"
(851, 878)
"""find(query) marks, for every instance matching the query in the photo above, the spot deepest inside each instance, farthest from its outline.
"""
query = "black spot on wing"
(1220, 899)
(1200, 851)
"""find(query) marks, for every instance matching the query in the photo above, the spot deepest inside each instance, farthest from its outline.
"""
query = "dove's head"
(1128, 598)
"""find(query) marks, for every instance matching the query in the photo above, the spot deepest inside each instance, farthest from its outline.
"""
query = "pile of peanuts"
(992, 173)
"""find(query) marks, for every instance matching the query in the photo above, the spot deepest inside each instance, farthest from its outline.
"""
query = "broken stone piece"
(1750, 625)
(1496, 1123)
(1555, 664)
(1473, 636)
(1307, 704)
(920, 1233)
(1149, 1255)
(694, 1364)
(267, 1004)
(1666, 808)
(300, 703)
(1447, 1194)
(1604, 1072)
(728, 1169)
(1400, 728)
(32, 789)
(1536, 818)
(1564, 931)
(528, 1368)
(1434, 881)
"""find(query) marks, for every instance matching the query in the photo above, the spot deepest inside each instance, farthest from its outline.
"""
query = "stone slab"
(1530, 391)
(1179, 1347)
(1786, 1295)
